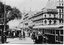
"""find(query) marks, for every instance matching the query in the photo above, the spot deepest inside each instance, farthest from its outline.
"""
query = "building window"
(50, 21)
(45, 15)
(45, 21)
(61, 32)
(54, 21)
(61, 21)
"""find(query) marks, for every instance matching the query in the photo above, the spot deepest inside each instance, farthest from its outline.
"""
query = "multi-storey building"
(26, 22)
(46, 18)
(60, 9)
(49, 21)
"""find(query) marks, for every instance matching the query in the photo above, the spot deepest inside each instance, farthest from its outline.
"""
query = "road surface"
(27, 40)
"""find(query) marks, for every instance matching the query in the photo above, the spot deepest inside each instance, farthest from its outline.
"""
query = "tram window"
(57, 31)
(61, 31)
(53, 31)
(56, 37)
(61, 38)
(47, 31)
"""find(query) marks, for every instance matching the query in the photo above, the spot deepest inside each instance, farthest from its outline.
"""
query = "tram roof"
(48, 26)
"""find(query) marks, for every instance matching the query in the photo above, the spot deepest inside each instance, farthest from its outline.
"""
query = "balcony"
(60, 7)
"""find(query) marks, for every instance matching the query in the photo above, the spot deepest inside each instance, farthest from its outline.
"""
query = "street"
(27, 40)
(31, 21)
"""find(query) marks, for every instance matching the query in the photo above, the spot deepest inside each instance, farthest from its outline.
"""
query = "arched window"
(54, 21)
(45, 15)
(50, 21)
(45, 21)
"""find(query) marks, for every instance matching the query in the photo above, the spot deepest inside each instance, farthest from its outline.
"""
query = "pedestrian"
(14, 34)
(19, 35)
(23, 34)
(39, 39)
(4, 37)
(33, 36)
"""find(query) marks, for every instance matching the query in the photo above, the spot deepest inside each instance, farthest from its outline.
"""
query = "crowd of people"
(36, 36)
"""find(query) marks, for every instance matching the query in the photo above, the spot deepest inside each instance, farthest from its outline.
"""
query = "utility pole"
(4, 17)
(4, 26)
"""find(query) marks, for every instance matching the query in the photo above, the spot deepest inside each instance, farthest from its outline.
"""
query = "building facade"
(50, 17)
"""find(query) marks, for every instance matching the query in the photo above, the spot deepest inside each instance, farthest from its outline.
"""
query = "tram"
(53, 33)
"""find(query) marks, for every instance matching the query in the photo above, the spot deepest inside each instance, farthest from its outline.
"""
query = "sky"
(13, 23)
(26, 4)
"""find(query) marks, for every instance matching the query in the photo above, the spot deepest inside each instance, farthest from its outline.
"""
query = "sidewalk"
(27, 40)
